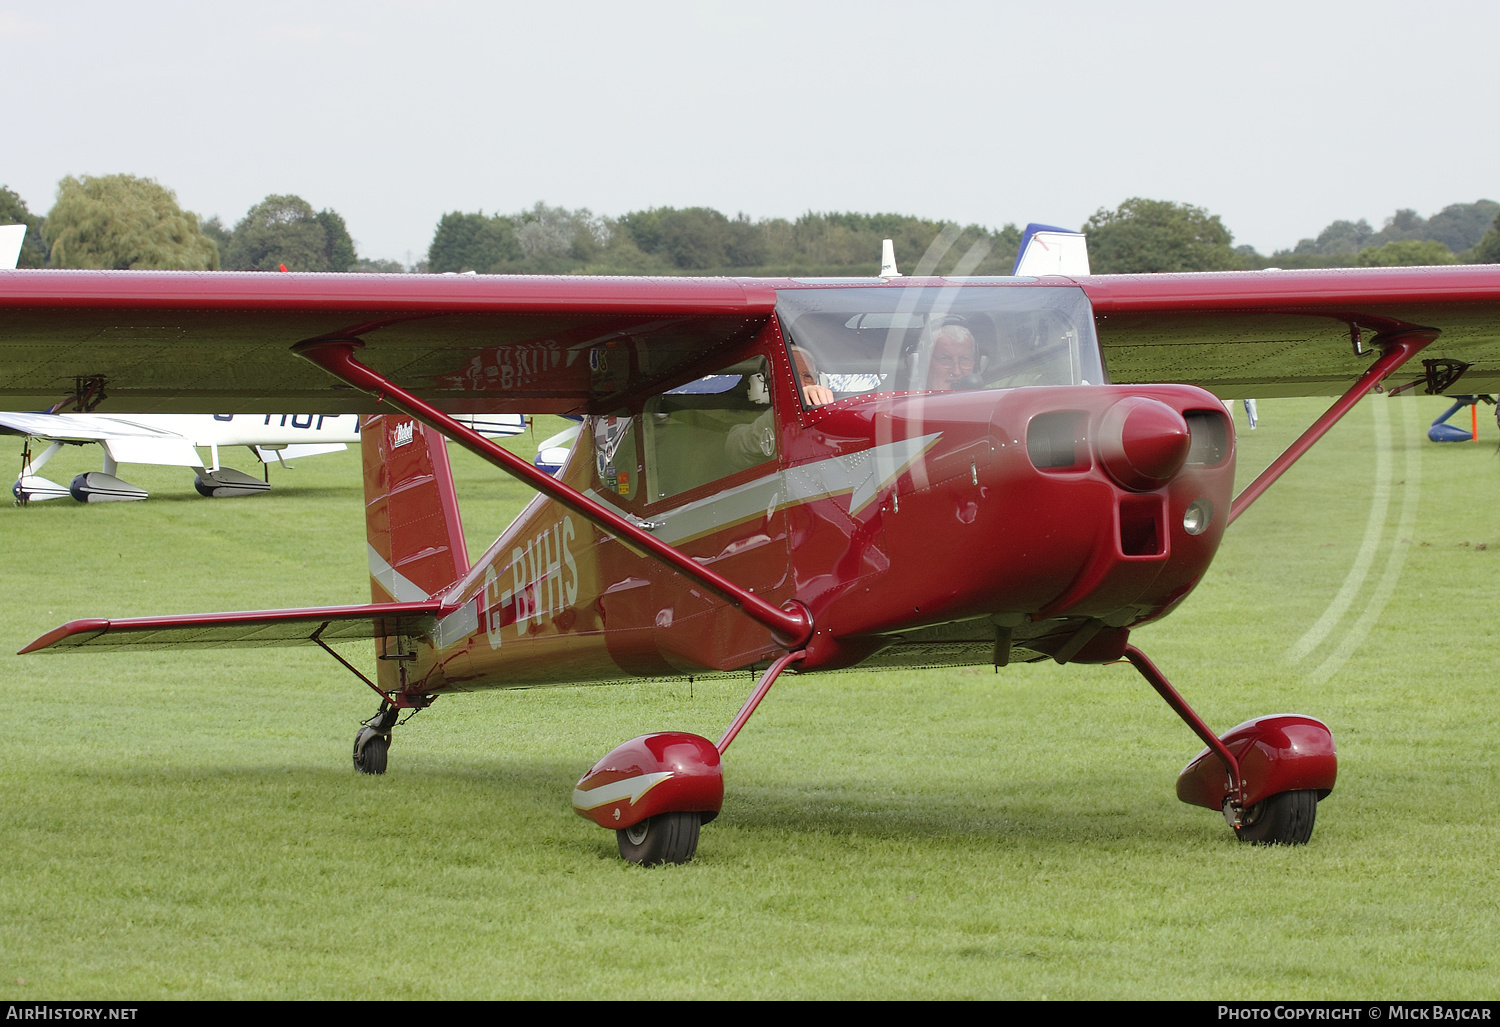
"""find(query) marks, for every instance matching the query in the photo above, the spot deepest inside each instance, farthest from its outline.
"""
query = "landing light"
(1197, 517)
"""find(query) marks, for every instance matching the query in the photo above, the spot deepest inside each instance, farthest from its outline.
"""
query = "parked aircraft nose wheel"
(1283, 819)
(664, 838)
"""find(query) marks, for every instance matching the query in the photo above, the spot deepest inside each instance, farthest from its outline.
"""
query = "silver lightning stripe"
(633, 787)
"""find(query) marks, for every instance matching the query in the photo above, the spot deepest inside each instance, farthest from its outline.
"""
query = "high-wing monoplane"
(771, 475)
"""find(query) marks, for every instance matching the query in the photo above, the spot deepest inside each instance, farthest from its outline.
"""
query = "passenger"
(952, 357)
(753, 443)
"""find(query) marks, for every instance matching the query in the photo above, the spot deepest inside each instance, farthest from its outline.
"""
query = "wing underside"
(248, 629)
(213, 342)
(1293, 333)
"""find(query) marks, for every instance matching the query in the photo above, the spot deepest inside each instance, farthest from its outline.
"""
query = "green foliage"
(284, 230)
(700, 240)
(377, 266)
(121, 221)
(339, 248)
(555, 240)
(215, 230)
(1342, 238)
(1405, 253)
(1487, 251)
(473, 242)
(1458, 227)
(542, 240)
(849, 243)
(1158, 236)
(695, 238)
(13, 211)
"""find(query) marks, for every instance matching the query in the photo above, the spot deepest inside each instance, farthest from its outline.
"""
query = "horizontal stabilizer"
(496, 426)
(251, 629)
(296, 450)
(553, 452)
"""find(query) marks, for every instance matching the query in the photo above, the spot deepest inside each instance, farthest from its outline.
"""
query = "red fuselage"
(918, 529)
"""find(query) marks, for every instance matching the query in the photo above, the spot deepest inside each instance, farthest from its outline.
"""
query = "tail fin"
(415, 536)
(1046, 250)
(11, 237)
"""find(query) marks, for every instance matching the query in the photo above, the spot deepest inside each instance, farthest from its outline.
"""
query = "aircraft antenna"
(888, 260)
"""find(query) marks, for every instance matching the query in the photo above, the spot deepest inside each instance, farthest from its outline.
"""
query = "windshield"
(939, 338)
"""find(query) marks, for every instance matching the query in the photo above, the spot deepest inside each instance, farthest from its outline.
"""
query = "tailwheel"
(664, 838)
(373, 742)
(370, 757)
(1283, 819)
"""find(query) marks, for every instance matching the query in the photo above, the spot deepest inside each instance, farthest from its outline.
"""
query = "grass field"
(189, 826)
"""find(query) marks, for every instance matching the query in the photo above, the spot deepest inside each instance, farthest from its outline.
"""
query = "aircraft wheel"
(1283, 819)
(664, 838)
(370, 757)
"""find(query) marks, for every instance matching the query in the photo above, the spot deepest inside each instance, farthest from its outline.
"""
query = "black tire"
(372, 759)
(1283, 819)
(664, 838)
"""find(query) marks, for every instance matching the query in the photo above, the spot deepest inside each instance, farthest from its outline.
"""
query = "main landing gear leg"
(1266, 775)
(373, 742)
(655, 791)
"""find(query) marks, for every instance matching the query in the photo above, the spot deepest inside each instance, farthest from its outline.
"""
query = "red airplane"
(771, 474)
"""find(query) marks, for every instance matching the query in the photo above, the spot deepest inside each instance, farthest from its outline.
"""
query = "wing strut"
(1395, 350)
(791, 624)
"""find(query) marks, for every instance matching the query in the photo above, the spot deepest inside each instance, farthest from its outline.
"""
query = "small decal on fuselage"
(404, 434)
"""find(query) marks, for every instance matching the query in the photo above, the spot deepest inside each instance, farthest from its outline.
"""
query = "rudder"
(412, 526)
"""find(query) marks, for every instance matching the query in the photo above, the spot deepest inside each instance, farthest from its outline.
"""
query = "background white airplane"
(175, 439)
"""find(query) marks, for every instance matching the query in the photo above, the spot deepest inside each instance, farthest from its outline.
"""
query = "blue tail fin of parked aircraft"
(1048, 250)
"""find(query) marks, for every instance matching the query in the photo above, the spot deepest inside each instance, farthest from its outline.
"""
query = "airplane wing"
(126, 442)
(208, 341)
(144, 341)
(251, 629)
(1292, 333)
(78, 427)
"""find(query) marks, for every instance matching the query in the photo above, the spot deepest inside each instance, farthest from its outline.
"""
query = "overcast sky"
(1279, 117)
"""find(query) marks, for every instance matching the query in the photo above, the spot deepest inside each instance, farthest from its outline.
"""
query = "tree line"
(122, 221)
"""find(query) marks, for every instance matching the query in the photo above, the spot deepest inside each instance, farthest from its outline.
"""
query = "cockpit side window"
(616, 457)
(708, 429)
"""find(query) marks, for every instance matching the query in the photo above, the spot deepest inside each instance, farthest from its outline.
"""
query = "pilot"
(813, 394)
(753, 443)
(952, 357)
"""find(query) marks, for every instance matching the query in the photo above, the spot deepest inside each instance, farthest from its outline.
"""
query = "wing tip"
(57, 634)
